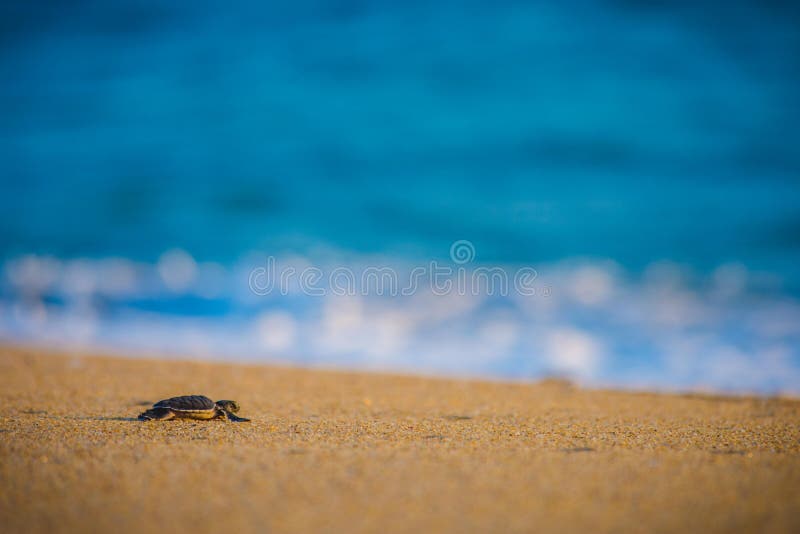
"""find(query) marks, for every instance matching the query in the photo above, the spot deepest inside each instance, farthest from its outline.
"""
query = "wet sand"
(347, 452)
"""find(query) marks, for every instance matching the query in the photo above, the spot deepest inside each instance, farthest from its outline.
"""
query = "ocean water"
(640, 164)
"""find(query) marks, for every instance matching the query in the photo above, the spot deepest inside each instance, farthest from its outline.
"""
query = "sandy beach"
(348, 452)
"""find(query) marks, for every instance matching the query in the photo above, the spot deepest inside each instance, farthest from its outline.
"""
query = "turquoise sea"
(642, 161)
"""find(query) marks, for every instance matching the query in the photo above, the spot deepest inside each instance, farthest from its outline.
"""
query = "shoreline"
(363, 451)
(444, 376)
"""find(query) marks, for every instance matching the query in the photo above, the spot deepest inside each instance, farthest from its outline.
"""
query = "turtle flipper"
(156, 414)
(235, 418)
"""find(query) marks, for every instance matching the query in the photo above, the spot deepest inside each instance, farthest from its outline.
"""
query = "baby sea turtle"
(192, 407)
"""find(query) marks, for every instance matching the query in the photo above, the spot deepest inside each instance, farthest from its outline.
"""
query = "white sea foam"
(588, 320)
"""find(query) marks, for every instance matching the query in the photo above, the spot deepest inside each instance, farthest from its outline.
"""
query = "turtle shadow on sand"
(100, 418)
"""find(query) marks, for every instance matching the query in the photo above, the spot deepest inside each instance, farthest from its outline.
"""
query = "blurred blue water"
(540, 132)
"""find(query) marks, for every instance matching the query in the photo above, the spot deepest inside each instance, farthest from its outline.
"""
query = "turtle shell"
(187, 403)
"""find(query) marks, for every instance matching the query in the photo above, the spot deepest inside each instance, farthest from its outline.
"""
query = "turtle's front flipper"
(235, 418)
(156, 414)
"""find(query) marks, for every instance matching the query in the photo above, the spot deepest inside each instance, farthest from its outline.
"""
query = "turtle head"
(228, 406)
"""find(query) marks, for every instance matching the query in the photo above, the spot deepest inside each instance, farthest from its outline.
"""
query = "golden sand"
(346, 452)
